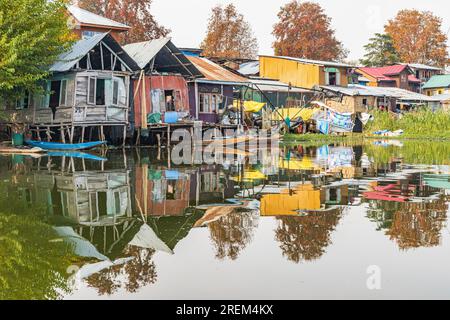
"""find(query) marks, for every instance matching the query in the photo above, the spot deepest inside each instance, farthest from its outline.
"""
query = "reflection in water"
(32, 264)
(114, 219)
(232, 233)
(411, 224)
(306, 238)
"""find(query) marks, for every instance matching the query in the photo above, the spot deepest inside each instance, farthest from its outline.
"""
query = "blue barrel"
(171, 117)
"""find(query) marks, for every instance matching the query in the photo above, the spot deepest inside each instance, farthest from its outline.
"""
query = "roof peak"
(84, 16)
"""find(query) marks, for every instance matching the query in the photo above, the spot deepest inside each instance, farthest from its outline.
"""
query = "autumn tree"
(418, 38)
(134, 13)
(304, 31)
(229, 35)
(380, 51)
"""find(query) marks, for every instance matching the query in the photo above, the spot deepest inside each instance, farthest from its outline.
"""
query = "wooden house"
(86, 24)
(275, 93)
(304, 73)
(210, 95)
(396, 76)
(439, 84)
(162, 83)
(359, 98)
(424, 72)
(89, 88)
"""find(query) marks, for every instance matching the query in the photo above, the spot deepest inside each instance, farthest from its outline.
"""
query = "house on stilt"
(86, 97)
(212, 94)
(161, 86)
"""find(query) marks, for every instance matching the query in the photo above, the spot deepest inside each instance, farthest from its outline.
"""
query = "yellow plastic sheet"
(294, 164)
(250, 106)
(251, 175)
(293, 113)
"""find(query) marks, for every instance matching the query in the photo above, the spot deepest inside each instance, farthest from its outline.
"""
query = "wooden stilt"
(168, 136)
(63, 135)
(158, 139)
(49, 135)
(124, 136)
(72, 132)
(83, 128)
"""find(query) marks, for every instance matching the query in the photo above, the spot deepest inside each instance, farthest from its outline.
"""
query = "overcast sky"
(354, 21)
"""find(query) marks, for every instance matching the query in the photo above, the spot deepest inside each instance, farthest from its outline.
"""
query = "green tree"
(380, 51)
(32, 35)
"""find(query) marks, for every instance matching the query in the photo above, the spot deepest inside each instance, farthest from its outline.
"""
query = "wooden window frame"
(93, 103)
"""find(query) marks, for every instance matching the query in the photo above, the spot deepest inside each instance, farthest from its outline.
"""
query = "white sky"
(354, 21)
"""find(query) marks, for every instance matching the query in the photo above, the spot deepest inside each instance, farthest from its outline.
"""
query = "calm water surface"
(307, 222)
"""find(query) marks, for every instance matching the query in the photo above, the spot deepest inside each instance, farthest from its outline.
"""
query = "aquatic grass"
(412, 152)
(416, 124)
(420, 124)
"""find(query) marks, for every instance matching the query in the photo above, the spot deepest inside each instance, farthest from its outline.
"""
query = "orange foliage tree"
(418, 37)
(229, 35)
(134, 13)
(304, 31)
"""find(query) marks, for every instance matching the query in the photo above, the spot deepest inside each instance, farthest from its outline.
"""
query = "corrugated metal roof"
(383, 73)
(214, 72)
(359, 90)
(249, 68)
(144, 52)
(86, 17)
(69, 59)
(441, 97)
(423, 66)
(438, 81)
(274, 85)
(316, 62)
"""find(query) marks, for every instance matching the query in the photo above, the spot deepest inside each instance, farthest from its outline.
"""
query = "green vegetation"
(422, 124)
(322, 138)
(412, 152)
(417, 124)
(32, 35)
(32, 266)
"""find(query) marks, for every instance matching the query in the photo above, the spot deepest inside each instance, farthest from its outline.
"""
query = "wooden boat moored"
(21, 150)
(65, 146)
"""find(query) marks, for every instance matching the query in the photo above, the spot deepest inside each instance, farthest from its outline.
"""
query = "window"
(115, 98)
(55, 93)
(88, 34)
(209, 102)
(91, 90)
(332, 78)
(364, 102)
(63, 94)
(23, 102)
(100, 92)
(170, 100)
(96, 91)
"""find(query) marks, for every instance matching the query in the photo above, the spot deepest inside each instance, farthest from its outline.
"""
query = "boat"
(21, 150)
(78, 155)
(65, 146)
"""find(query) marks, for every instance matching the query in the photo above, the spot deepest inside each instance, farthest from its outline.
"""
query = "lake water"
(304, 222)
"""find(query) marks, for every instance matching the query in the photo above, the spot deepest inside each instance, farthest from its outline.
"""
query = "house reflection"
(163, 192)
(412, 210)
(304, 198)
